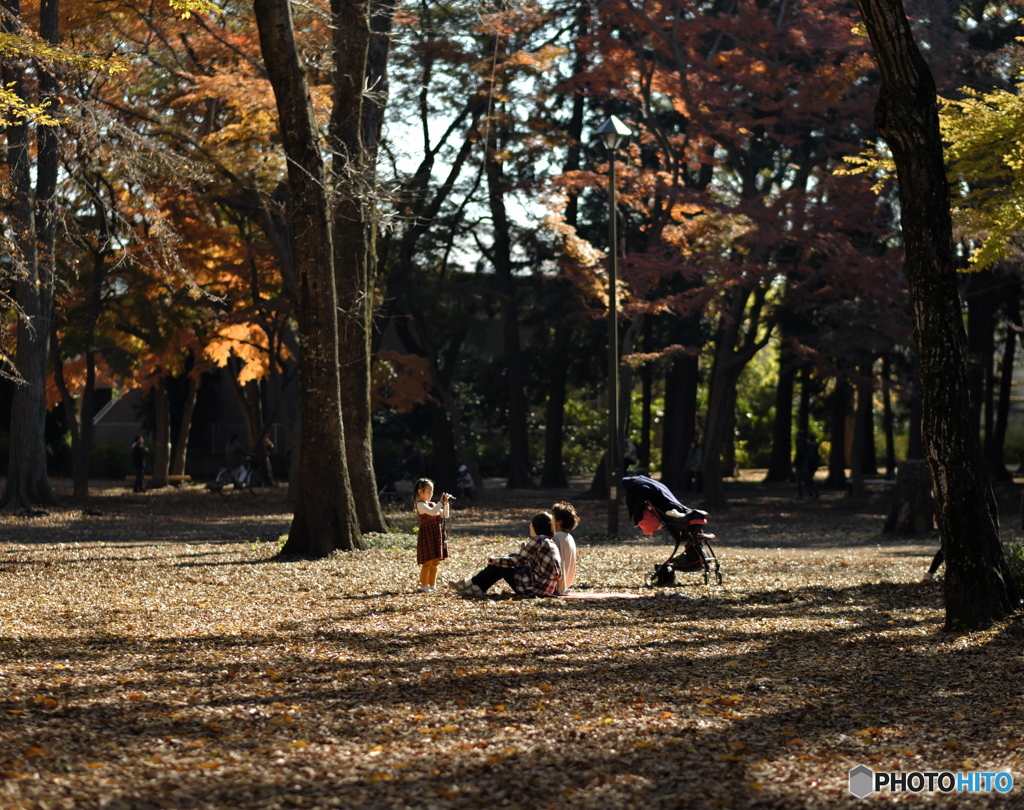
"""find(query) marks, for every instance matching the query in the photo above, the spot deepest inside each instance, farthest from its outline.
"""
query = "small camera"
(449, 497)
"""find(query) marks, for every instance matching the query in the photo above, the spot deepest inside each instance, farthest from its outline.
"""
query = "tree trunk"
(79, 417)
(857, 495)
(888, 421)
(721, 398)
(996, 465)
(553, 474)
(444, 461)
(679, 425)
(441, 381)
(979, 588)
(780, 463)
(161, 435)
(866, 414)
(185, 428)
(32, 225)
(515, 381)
(737, 341)
(915, 444)
(839, 408)
(981, 294)
(354, 132)
(646, 417)
(325, 516)
(913, 506)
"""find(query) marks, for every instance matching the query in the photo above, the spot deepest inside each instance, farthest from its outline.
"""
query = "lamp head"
(613, 132)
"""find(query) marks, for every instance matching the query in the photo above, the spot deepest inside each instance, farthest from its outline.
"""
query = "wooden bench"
(171, 479)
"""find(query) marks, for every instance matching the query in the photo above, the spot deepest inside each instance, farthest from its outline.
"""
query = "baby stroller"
(652, 506)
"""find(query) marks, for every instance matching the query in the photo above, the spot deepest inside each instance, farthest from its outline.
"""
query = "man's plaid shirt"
(538, 567)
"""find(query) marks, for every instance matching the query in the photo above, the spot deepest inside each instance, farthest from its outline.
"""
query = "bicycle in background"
(250, 477)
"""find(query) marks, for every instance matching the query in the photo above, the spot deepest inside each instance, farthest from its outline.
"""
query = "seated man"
(565, 520)
(534, 570)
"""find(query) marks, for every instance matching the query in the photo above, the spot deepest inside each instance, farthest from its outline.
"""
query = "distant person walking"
(139, 463)
(806, 464)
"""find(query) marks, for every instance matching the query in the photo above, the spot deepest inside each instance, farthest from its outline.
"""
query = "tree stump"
(913, 506)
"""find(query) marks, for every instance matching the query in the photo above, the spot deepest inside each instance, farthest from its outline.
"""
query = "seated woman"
(533, 571)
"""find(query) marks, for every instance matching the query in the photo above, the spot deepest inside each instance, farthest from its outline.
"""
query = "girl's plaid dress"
(432, 543)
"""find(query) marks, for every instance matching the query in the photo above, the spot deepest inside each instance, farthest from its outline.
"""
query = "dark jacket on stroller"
(652, 506)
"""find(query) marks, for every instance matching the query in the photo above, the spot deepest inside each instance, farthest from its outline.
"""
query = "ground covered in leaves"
(152, 654)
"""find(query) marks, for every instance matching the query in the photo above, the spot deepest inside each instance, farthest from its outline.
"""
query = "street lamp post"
(612, 133)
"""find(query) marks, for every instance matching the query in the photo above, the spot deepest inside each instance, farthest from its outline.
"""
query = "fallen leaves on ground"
(155, 656)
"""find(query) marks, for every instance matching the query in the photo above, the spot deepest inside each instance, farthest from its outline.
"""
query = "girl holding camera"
(432, 541)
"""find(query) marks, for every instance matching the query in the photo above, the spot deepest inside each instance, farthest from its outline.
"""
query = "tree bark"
(736, 343)
(515, 381)
(981, 296)
(857, 495)
(888, 421)
(180, 453)
(553, 474)
(79, 416)
(913, 506)
(354, 133)
(996, 465)
(866, 414)
(32, 223)
(978, 586)
(839, 408)
(325, 516)
(780, 463)
(161, 435)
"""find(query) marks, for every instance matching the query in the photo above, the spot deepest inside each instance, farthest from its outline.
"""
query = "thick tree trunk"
(913, 506)
(679, 426)
(180, 453)
(325, 516)
(31, 223)
(978, 586)
(915, 444)
(354, 133)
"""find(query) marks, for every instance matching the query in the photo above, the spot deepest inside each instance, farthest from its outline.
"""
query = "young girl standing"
(432, 542)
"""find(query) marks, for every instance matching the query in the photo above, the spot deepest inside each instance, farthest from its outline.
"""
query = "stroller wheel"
(707, 576)
(718, 577)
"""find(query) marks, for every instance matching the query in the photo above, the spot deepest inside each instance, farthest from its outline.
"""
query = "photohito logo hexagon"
(862, 781)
